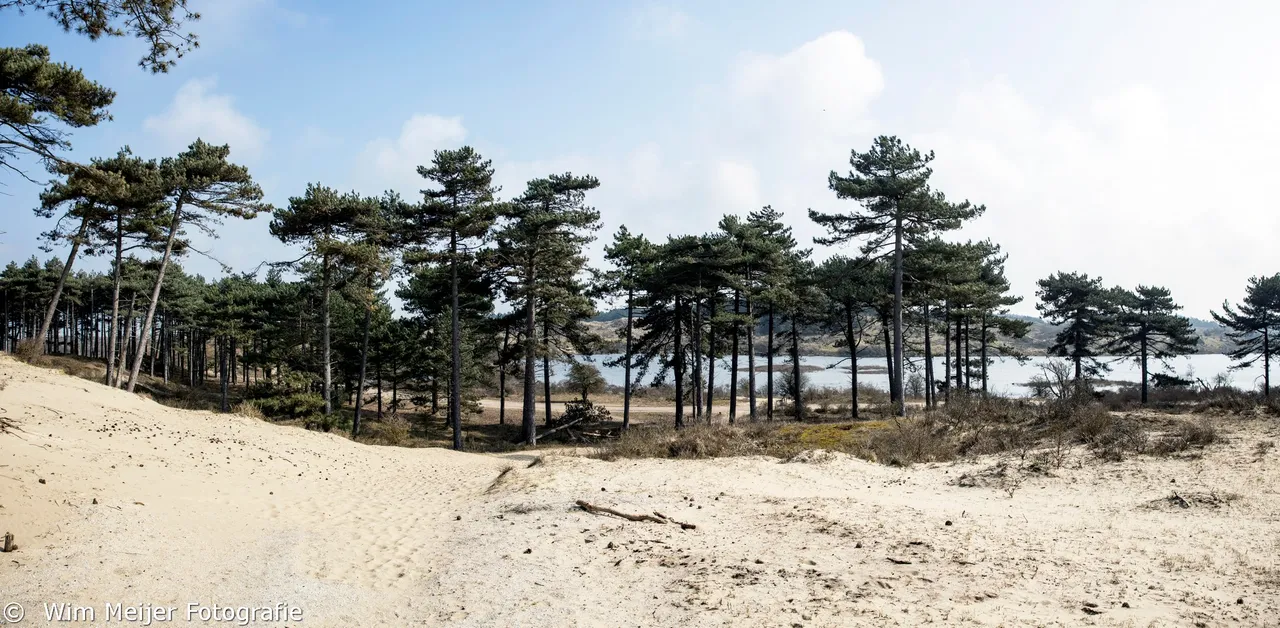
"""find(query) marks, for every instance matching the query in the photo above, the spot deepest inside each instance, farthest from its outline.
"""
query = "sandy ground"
(218, 509)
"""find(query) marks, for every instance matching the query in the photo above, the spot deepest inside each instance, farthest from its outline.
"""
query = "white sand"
(200, 507)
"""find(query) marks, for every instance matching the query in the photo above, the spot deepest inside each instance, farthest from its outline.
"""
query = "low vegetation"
(967, 427)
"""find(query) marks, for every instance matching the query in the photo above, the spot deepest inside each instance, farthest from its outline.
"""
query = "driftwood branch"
(683, 525)
(601, 510)
(656, 517)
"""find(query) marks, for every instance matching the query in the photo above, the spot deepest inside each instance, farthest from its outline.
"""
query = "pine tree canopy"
(37, 98)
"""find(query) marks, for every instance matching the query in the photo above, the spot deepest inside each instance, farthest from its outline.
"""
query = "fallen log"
(602, 510)
(553, 430)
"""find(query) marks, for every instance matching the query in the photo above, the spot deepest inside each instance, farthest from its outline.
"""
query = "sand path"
(201, 507)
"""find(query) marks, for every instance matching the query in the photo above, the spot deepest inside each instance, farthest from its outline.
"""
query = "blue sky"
(1128, 140)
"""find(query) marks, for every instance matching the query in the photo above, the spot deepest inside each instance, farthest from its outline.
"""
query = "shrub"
(910, 441)
(1228, 401)
(1187, 435)
(291, 406)
(27, 350)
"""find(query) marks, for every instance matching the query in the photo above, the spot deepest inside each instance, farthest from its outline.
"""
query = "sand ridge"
(196, 506)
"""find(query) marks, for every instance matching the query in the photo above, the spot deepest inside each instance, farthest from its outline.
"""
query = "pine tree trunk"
(1143, 357)
(455, 374)
(733, 377)
(888, 358)
(626, 368)
(929, 401)
(530, 349)
(946, 343)
(768, 361)
(897, 312)
(546, 367)
(696, 338)
(959, 357)
(115, 304)
(711, 357)
(798, 392)
(984, 354)
(225, 375)
(151, 369)
(364, 361)
(155, 295)
(679, 370)
(62, 282)
(502, 376)
(751, 360)
(1075, 351)
(327, 358)
(1266, 362)
(853, 360)
(126, 337)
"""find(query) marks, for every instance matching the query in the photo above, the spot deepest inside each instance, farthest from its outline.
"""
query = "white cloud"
(392, 163)
(1122, 190)
(766, 132)
(1109, 186)
(817, 92)
(656, 21)
(198, 112)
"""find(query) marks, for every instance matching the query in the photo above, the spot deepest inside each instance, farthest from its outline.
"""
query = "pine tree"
(454, 217)
(203, 187)
(81, 199)
(539, 245)
(891, 182)
(325, 222)
(1148, 326)
(1255, 326)
(850, 294)
(630, 256)
(1085, 311)
(670, 285)
(371, 259)
(776, 259)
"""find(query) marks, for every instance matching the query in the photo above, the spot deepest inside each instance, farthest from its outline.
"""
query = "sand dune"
(218, 509)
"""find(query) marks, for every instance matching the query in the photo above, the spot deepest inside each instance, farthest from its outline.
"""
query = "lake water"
(1004, 375)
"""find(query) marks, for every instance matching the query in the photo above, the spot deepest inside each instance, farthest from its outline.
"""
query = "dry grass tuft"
(392, 430)
(249, 409)
(1187, 435)
(499, 481)
(28, 350)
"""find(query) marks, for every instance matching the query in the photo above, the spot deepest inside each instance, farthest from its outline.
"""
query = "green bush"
(290, 406)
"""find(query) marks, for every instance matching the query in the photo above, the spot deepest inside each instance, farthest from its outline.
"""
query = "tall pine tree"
(891, 182)
(1255, 326)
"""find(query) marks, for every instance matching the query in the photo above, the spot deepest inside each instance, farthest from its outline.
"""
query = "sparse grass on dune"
(965, 428)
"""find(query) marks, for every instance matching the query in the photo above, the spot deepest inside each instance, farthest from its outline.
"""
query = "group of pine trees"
(745, 293)
(690, 301)
(497, 290)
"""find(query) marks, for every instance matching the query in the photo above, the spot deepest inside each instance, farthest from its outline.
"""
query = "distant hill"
(1213, 337)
